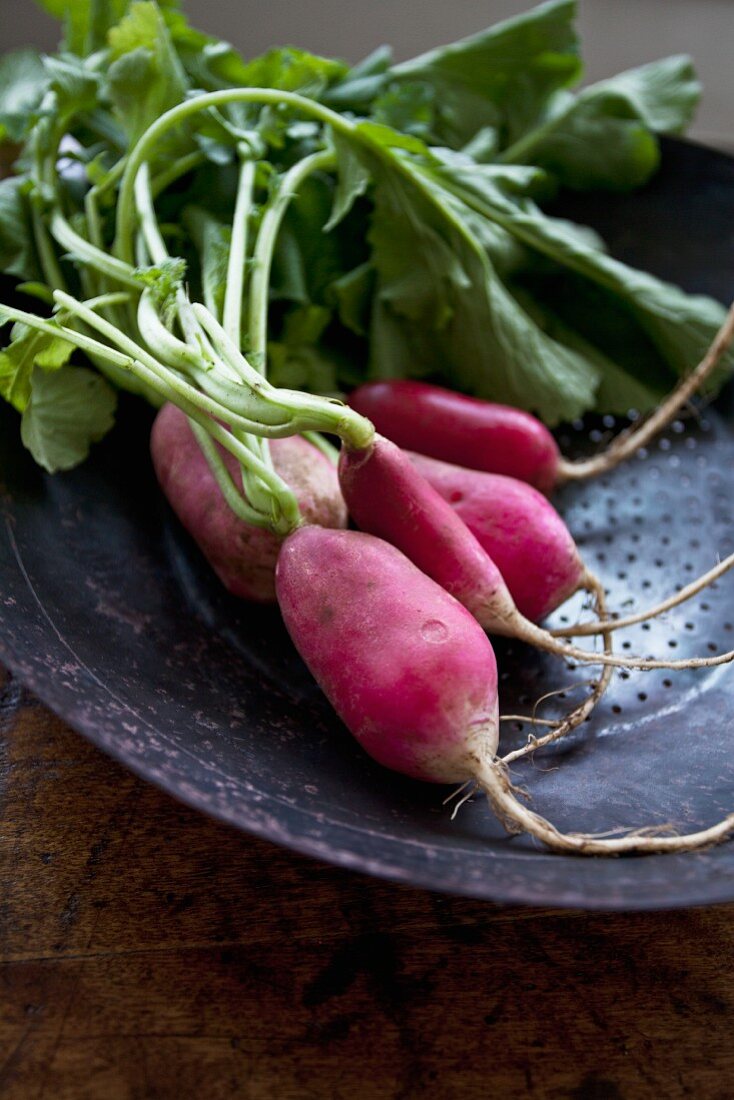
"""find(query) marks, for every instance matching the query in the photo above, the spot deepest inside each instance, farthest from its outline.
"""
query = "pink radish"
(242, 555)
(515, 524)
(406, 667)
(388, 497)
(463, 430)
(499, 439)
(413, 676)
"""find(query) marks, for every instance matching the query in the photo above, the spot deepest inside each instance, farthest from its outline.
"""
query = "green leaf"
(352, 182)
(68, 411)
(212, 239)
(307, 260)
(362, 85)
(75, 84)
(631, 306)
(408, 106)
(458, 275)
(17, 252)
(442, 310)
(291, 70)
(308, 367)
(605, 136)
(86, 22)
(288, 69)
(23, 84)
(28, 349)
(503, 76)
(352, 296)
(484, 146)
(36, 290)
(146, 77)
(385, 137)
(212, 65)
(164, 280)
(295, 360)
(600, 146)
(664, 94)
(635, 382)
(419, 268)
(80, 19)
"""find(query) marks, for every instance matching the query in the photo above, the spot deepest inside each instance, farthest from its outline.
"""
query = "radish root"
(507, 621)
(525, 631)
(493, 779)
(531, 718)
(632, 439)
(580, 713)
(586, 629)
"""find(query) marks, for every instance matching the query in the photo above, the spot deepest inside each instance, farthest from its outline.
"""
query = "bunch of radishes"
(115, 221)
(391, 619)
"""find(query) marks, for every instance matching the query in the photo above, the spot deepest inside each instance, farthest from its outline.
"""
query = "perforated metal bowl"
(109, 614)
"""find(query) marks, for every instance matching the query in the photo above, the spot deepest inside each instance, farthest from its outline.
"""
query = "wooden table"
(146, 952)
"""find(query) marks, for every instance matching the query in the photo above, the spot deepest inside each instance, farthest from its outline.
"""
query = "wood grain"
(147, 952)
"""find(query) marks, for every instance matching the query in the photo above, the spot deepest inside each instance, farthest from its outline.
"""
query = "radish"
(515, 524)
(499, 439)
(242, 555)
(463, 430)
(413, 676)
(406, 667)
(388, 497)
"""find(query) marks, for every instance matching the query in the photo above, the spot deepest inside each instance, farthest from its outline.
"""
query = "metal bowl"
(110, 615)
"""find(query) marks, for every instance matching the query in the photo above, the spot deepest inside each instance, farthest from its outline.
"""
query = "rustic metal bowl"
(109, 614)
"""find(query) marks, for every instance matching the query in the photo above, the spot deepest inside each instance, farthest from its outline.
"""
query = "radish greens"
(225, 218)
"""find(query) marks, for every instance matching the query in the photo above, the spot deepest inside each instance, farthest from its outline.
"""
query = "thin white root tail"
(531, 719)
(543, 639)
(578, 630)
(630, 440)
(580, 713)
(516, 818)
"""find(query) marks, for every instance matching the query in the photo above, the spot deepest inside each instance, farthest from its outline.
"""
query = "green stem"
(120, 368)
(181, 394)
(94, 257)
(322, 444)
(223, 384)
(175, 383)
(94, 224)
(229, 351)
(95, 22)
(232, 313)
(265, 249)
(53, 328)
(150, 141)
(156, 246)
(148, 222)
(175, 171)
(521, 151)
(110, 298)
(91, 199)
(307, 411)
(287, 519)
(169, 349)
(159, 254)
(171, 389)
(49, 261)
